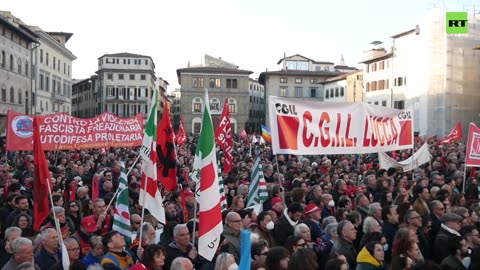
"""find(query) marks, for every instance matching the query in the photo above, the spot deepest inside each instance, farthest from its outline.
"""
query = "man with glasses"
(414, 222)
(450, 227)
(231, 231)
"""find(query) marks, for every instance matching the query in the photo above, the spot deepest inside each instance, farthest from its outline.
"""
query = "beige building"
(126, 84)
(223, 80)
(298, 77)
(16, 43)
(344, 88)
(429, 71)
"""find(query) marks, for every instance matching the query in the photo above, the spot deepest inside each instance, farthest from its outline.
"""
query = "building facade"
(223, 80)
(53, 73)
(256, 112)
(176, 108)
(16, 43)
(298, 77)
(126, 84)
(85, 97)
(431, 72)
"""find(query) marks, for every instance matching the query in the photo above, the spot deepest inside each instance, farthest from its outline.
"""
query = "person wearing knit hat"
(312, 220)
(278, 206)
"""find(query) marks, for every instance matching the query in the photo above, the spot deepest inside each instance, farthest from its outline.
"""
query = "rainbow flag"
(266, 134)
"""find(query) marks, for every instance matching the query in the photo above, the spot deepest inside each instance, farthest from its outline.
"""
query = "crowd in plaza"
(323, 212)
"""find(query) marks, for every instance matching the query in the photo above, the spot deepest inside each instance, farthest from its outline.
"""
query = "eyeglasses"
(74, 249)
(236, 221)
(301, 245)
(73, 205)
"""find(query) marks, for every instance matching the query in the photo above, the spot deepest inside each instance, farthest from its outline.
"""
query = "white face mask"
(331, 203)
(270, 225)
(233, 266)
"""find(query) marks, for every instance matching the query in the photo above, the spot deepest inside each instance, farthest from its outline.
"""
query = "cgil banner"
(63, 132)
(306, 127)
(420, 157)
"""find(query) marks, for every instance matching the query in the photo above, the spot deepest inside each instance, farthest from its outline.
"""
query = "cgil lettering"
(341, 137)
(379, 131)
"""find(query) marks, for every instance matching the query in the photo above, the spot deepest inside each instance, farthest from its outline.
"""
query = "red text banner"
(306, 127)
(63, 132)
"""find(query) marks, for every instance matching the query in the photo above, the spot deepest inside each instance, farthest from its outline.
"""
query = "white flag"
(420, 157)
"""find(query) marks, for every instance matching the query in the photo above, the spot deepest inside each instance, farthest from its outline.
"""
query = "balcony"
(59, 98)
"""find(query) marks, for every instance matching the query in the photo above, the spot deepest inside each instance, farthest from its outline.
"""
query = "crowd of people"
(323, 212)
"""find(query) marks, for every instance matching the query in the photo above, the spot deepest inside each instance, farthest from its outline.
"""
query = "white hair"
(44, 233)
(298, 229)
(20, 242)
(373, 207)
(178, 263)
(11, 230)
(177, 228)
(368, 223)
(331, 229)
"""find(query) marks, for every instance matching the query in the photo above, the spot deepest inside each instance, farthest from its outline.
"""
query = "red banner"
(223, 137)
(472, 158)
(63, 132)
(181, 136)
(455, 134)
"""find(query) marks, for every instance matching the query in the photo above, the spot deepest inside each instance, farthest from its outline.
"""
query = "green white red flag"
(150, 196)
(121, 218)
(205, 163)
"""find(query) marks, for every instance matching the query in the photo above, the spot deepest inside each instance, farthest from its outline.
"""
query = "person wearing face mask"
(225, 261)
(329, 206)
(458, 251)
(265, 228)
(312, 220)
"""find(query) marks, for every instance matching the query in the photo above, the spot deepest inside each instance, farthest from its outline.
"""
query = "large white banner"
(420, 157)
(306, 127)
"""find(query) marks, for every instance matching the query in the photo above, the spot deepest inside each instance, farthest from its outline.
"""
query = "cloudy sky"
(253, 34)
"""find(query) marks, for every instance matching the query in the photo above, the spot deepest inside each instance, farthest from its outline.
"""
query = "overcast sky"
(253, 34)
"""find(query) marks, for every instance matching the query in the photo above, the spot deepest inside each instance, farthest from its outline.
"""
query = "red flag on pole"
(182, 136)
(167, 157)
(472, 158)
(456, 134)
(243, 134)
(223, 137)
(41, 205)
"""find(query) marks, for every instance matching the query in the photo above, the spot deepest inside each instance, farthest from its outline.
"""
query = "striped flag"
(266, 134)
(150, 196)
(257, 193)
(205, 163)
(121, 218)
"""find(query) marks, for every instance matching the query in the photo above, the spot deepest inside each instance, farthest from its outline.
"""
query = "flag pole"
(143, 213)
(194, 215)
(116, 191)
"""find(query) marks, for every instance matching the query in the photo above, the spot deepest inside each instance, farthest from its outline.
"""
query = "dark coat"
(283, 229)
(452, 263)
(316, 231)
(45, 260)
(442, 239)
(389, 230)
(347, 249)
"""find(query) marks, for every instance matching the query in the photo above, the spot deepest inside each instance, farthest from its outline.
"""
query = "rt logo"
(457, 22)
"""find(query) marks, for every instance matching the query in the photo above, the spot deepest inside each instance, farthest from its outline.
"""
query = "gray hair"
(373, 207)
(11, 230)
(95, 267)
(25, 266)
(44, 233)
(178, 262)
(69, 240)
(328, 220)
(298, 229)
(331, 229)
(58, 210)
(221, 262)
(146, 228)
(368, 223)
(230, 216)
(19, 243)
(95, 241)
(434, 204)
(177, 228)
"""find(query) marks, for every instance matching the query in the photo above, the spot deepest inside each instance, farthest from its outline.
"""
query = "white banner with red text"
(307, 127)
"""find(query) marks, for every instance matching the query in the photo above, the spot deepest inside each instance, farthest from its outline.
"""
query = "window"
(142, 92)
(143, 77)
(214, 105)
(4, 95)
(367, 68)
(298, 80)
(11, 62)
(109, 76)
(41, 82)
(197, 127)
(120, 76)
(331, 93)
(399, 104)
(374, 67)
(231, 83)
(197, 82)
(12, 95)
(19, 65)
(47, 83)
(382, 65)
(54, 62)
(384, 103)
(41, 56)
(146, 61)
(400, 81)
(124, 61)
(336, 92)
(214, 83)
(313, 81)
(298, 92)
(386, 84)
(26, 68)
(297, 65)
(64, 68)
(313, 92)
(132, 77)
(283, 80)
(197, 105)
(20, 96)
(327, 91)
(232, 105)
(46, 106)
(283, 91)
(128, 62)
(342, 91)
(376, 103)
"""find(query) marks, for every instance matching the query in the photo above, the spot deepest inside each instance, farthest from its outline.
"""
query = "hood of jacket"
(365, 257)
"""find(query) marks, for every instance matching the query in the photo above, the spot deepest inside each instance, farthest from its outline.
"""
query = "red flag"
(182, 136)
(456, 134)
(41, 207)
(95, 187)
(167, 157)
(472, 158)
(394, 155)
(223, 137)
